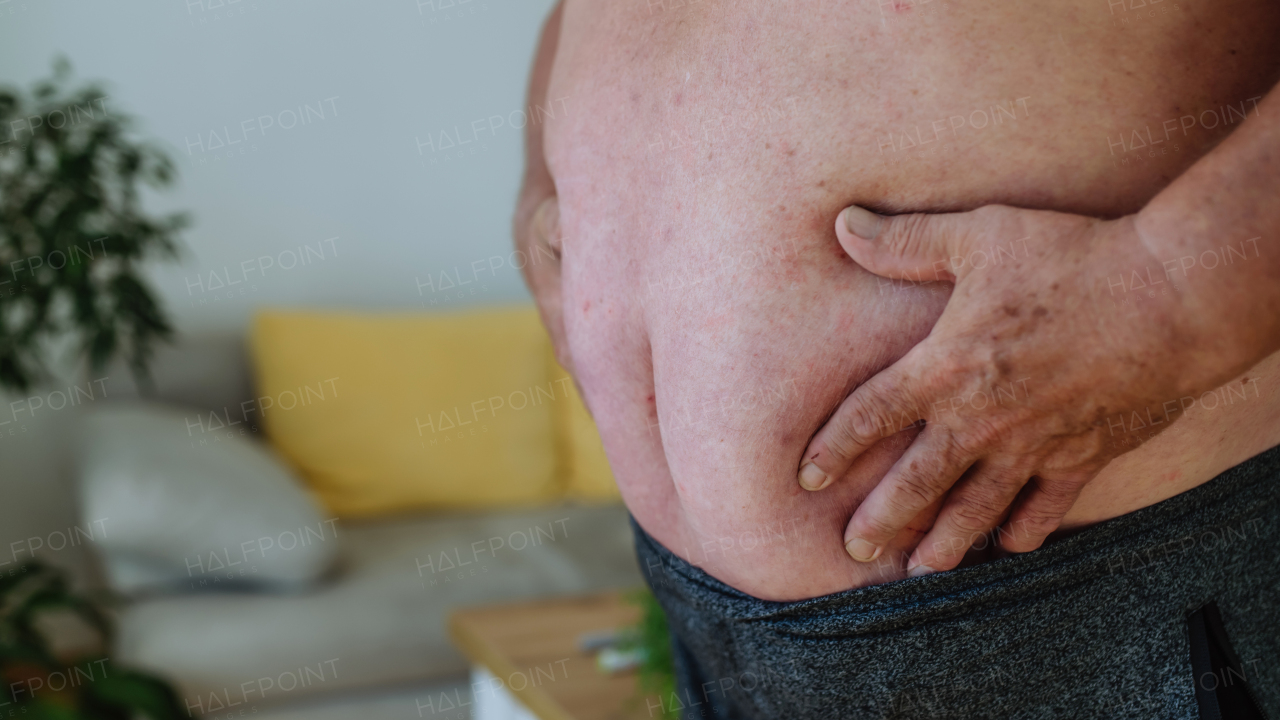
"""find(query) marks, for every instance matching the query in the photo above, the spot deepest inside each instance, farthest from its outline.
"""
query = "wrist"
(1212, 321)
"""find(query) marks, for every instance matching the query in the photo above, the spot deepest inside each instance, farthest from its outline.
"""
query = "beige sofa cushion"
(176, 508)
(382, 619)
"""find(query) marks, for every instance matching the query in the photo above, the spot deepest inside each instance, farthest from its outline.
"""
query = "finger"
(975, 506)
(923, 474)
(546, 225)
(1040, 510)
(542, 272)
(921, 247)
(878, 408)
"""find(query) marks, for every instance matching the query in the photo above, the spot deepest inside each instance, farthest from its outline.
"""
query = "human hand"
(538, 240)
(1019, 384)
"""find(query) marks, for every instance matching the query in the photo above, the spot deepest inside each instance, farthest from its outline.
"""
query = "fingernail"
(920, 570)
(861, 550)
(812, 477)
(863, 223)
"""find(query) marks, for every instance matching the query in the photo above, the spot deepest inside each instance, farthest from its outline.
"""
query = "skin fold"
(704, 303)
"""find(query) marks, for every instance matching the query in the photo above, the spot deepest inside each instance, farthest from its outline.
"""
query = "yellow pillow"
(389, 413)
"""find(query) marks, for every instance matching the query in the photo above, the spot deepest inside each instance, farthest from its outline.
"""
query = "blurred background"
(385, 76)
(356, 429)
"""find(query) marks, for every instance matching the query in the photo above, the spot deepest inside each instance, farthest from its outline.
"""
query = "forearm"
(1216, 233)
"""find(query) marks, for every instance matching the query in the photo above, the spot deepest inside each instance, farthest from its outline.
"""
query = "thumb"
(920, 246)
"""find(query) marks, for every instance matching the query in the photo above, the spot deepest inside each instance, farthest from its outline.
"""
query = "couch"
(363, 607)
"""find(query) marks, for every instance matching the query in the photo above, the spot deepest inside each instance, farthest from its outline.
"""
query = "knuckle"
(1076, 463)
(950, 451)
(1059, 493)
(955, 453)
(980, 434)
(839, 441)
(873, 527)
(1086, 451)
(908, 235)
(975, 513)
(913, 490)
(857, 425)
(1009, 481)
(946, 554)
(1021, 438)
(1034, 526)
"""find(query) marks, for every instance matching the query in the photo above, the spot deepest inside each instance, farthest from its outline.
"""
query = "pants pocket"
(1222, 688)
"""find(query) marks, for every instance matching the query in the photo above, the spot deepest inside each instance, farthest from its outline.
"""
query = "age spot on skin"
(1004, 368)
(1040, 311)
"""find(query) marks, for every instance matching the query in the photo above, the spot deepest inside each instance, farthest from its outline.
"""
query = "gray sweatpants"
(1092, 626)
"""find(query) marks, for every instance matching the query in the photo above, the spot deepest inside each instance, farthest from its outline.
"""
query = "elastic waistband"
(1228, 508)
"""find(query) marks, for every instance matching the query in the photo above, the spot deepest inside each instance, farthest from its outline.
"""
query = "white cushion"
(182, 508)
(381, 620)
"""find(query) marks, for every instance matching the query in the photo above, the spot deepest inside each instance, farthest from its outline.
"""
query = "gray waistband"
(1091, 625)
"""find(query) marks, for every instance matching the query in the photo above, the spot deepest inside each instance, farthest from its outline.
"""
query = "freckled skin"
(713, 321)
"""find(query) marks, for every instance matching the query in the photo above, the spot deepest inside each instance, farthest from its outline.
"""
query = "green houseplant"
(72, 234)
(41, 683)
(650, 640)
(72, 230)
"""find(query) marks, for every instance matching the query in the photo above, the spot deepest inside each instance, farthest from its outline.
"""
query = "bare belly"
(713, 320)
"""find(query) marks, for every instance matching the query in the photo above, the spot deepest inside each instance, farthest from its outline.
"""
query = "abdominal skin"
(713, 320)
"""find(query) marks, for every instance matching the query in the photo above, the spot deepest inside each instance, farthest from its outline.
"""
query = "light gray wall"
(386, 76)
(368, 185)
